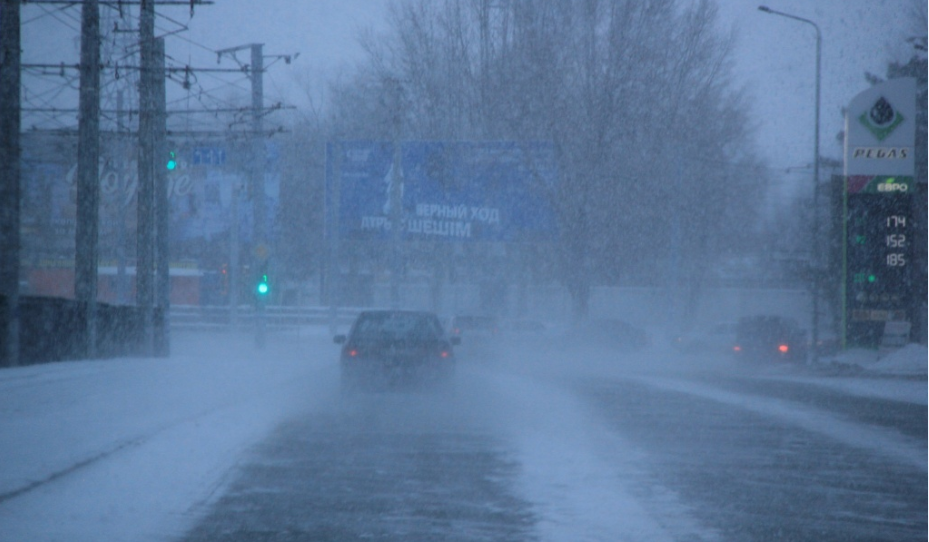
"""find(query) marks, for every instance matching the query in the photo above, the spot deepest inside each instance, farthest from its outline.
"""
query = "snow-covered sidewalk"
(125, 449)
(910, 361)
(133, 449)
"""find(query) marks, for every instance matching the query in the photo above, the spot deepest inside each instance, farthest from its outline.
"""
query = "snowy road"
(223, 442)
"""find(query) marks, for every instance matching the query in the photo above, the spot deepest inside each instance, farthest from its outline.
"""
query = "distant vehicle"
(610, 333)
(393, 348)
(523, 327)
(473, 325)
(717, 338)
(769, 337)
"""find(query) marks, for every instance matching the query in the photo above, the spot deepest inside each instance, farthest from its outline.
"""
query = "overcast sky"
(775, 56)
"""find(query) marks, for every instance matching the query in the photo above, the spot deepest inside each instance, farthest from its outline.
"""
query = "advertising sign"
(450, 191)
(200, 192)
(879, 226)
(880, 127)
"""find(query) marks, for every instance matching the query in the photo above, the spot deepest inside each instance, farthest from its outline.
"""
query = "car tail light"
(352, 352)
(736, 348)
(444, 353)
(783, 349)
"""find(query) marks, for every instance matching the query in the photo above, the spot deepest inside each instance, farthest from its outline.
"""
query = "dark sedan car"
(610, 333)
(393, 348)
(769, 337)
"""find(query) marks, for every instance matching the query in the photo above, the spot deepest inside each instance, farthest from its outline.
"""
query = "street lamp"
(816, 279)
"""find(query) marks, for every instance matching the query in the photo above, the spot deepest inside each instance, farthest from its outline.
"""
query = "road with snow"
(225, 442)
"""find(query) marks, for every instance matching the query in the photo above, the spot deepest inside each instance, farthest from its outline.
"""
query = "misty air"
(463, 270)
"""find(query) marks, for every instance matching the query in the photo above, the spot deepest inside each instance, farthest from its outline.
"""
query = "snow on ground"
(134, 449)
(880, 441)
(911, 360)
(124, 449)
(579, 475)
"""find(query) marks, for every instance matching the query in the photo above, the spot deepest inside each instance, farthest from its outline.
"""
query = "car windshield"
(464, 270)
(771, 328)
(474, 323)
(396, 326)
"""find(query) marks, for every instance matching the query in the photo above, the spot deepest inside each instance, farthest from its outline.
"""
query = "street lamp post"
(814, 255)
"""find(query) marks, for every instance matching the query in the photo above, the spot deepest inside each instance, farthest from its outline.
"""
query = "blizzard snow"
(124, 449)
(135, 449)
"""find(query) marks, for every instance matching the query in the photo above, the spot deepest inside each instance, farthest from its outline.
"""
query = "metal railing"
(276, 317)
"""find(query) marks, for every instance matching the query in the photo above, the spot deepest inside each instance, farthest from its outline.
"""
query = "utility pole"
(256, 191)
(257, 145)
(395, 197)
(815, 247)
(10, 63)
(162, 345)
(145, 200)
(256, 171)
(334, 153)
(122, 286)
(88, 184)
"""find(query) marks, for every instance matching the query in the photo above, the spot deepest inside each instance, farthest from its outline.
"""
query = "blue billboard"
(200, 192)
(498, 191)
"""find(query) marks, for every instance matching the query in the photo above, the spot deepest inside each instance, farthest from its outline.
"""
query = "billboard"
(200, 196)
(498, 191)
(879, 220)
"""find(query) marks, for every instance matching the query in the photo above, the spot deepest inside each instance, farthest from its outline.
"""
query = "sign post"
(880, 133)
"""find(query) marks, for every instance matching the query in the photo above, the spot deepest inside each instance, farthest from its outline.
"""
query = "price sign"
(879, 250)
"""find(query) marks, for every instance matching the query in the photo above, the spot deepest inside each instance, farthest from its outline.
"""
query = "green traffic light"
(172, 161)
(263, 287)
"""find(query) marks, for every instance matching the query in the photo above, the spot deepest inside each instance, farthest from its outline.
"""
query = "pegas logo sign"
(882, 119)
(880, 132)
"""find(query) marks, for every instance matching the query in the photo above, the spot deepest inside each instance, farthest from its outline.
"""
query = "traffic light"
(171, 163)
(264, 287)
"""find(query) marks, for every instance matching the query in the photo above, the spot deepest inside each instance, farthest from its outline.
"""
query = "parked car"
(716, 338)
(473, 325)
(394, 348)
(610, 333)
(523, 327)
(770, 337)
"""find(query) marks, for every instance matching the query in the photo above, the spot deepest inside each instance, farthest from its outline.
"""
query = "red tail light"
(783, 348)
(352, 353)
(444, 353)
(737, 348)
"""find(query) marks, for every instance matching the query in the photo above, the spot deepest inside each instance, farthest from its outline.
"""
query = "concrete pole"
(10, 121)
(258, 156)
(122, 286)
(88, 183)
(145, 199)
(256, 173)
(396, 197)
(333, 270)
(162, 283)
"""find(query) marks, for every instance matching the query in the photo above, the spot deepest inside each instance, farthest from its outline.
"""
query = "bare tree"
(652, 136)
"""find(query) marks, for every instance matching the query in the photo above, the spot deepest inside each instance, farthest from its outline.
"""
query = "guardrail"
(276, 317)
(55, 329)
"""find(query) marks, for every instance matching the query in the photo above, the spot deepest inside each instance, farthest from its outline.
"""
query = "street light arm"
(815, 248)
(766, 9)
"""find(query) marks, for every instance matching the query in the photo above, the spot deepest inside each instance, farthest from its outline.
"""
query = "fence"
(54, 329)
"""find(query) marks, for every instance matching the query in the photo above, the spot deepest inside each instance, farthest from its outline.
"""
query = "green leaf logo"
(882, 119)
